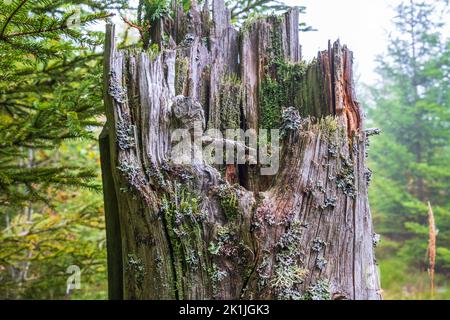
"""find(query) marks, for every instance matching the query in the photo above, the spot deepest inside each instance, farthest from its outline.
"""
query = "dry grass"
(431, 247)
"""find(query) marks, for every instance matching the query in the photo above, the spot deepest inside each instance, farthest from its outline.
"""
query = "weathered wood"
(113, 236)
(226, 232)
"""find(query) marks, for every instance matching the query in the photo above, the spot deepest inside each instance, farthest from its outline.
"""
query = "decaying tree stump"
(200, 231)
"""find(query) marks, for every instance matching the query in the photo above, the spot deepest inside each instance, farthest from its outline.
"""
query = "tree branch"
(8, 20)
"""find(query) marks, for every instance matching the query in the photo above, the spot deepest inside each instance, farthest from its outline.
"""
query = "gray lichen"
(321, 263)
(373, 132)
(329, 203)
(156, 176)
(345, 179)
(318, 245)
(216, 275)
(332, 151)
(192, 259)
(136, 267)
(376, 239)
(368, 175)
(288, 271)
(291, 121)
(125, 135)
(132, 173)
(115, 90)
(319, 291)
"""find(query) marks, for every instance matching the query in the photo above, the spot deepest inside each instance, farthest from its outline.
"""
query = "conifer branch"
(13, 13)
(58, 28)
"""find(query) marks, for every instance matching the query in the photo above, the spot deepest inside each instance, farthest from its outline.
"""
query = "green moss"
(278, 90)
(254, 17)
(228, 201)
(181, 74)
(229, 103)
(183, 217)
(272, 100)
(329, 124)
(153, 51)
(279, 86)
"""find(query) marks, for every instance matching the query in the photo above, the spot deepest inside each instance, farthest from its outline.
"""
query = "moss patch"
(229, 103)
(228, 201)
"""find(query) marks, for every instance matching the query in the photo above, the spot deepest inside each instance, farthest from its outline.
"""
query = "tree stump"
(227, 231)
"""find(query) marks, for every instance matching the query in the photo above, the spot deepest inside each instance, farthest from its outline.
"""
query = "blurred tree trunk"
(227, 232)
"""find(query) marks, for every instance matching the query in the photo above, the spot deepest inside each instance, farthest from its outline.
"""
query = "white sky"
(360, 24)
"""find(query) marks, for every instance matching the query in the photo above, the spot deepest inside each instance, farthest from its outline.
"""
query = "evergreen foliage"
(410, 159)
(50, 98)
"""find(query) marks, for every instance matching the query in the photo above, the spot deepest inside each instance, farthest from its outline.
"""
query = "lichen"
(115, 90)
(125, 135)
(156, 176)
(368, 174)
(329, 203)
(285, 280)
(132, 172)
(225, 244)
(376, 239)
(192, 259)
(345, 178)
(321, 263)
(291, 237)
(182, 215)
(319, 291)
(288, 272)
(291, 121)
(332, 151)
(216, 275)
(318, 245)
(136, 268)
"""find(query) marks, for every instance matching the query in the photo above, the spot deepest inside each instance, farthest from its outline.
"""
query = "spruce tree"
(50, 74)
